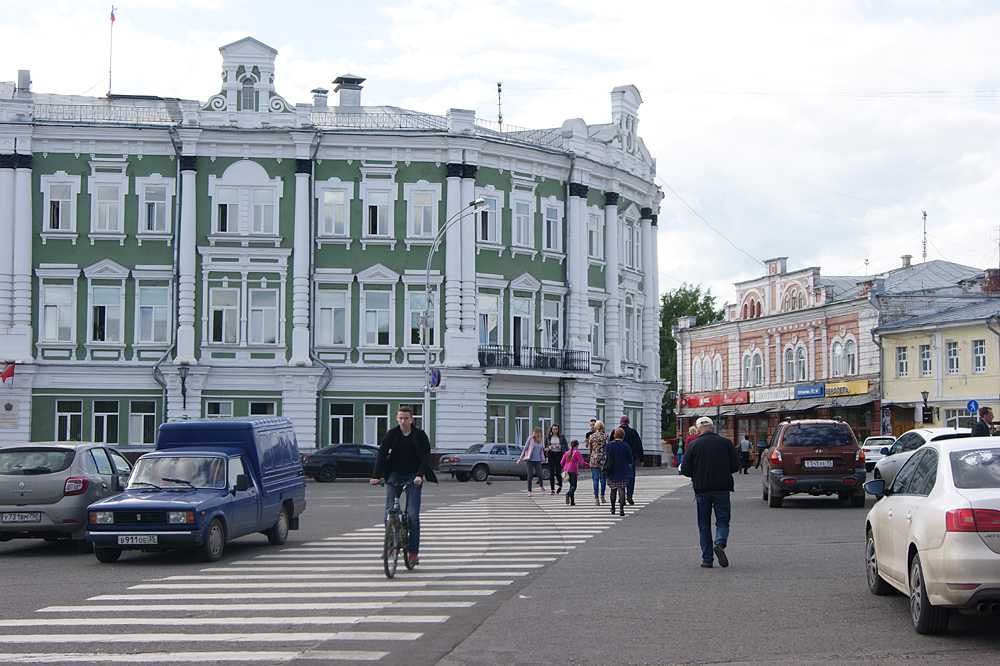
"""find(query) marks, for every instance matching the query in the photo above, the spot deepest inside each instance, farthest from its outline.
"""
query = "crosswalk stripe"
(286, 595)
(172, 621)
(189, 657)
(289, 637)
(285, 585)
(229, 608)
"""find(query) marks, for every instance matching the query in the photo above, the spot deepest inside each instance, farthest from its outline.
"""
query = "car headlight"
(102, 517)
(180, 517)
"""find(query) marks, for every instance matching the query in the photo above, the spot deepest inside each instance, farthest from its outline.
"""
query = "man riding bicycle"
(405, 456)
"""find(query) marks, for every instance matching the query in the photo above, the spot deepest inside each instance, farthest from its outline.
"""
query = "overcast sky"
(814, 130)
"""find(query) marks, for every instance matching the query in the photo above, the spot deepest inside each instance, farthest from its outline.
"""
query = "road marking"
(208, 621)
(283, 637)
(229, 608)
(189, 657)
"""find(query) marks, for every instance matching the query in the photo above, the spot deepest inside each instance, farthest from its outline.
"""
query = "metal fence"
(533, 358)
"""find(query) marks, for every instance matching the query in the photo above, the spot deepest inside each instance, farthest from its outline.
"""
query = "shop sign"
(771, 395)
(738, 398)
(692, 401)
(814, 391)
(847, 388)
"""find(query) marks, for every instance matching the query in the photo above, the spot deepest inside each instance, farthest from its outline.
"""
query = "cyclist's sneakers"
(414, 560)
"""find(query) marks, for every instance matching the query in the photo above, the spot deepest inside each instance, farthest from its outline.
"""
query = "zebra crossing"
(326, 600)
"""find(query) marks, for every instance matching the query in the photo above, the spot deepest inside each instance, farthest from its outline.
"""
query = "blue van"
(207, 482)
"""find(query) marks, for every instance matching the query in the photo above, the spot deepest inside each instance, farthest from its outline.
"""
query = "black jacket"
(710, 461)
(404, 455)
(981, 429)
(634, 442)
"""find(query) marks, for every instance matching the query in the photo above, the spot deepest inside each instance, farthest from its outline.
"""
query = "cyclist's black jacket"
(404, 455)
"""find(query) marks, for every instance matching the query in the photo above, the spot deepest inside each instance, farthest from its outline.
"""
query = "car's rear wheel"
(876, 475)
(107, 554)
(773, 499)
(215, 542)
(876, 584)
(480, 472)
(278, 534)
(462, 476)
(327, 474)
(546, 472)
(927, 619)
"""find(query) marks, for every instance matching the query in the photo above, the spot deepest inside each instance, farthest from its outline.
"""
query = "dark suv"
(818, 457)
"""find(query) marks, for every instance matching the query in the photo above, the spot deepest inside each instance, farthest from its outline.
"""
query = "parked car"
(347, 460)
(873, 448)
(208, 481)
(935, 533)
(479, 461)
(907, 443)
(817, 457)
(45, 488)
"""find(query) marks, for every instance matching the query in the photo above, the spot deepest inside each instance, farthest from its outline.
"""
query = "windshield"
(179, 472)
(31, 460)
(976, 469)
(475, 448)
(817, 435)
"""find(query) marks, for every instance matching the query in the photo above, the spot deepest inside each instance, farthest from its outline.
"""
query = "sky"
(819, 131)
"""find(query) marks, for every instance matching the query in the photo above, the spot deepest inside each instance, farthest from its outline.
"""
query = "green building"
(163, 258)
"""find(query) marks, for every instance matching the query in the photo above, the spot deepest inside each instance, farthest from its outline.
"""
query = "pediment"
(106, 269)
(632, 212)
(378, 274)
(525, 282)
(248, 46)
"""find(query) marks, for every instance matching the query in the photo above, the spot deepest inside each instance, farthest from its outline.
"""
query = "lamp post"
(428, 305)
(183, 369)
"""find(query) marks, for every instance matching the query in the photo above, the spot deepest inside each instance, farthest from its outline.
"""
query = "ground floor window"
(218, 409)
(959, 418)
(754, 426)
(860, 421)
(341, 424)
(376, 423)
(142, 423)
(69, 420)
(262, 409)
(106, 421)
(496, 424)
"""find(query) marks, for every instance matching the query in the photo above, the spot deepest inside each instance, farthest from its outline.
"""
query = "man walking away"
(761, 446)
(745, 453)
(984, 426)
(711, 461)
(635, 443)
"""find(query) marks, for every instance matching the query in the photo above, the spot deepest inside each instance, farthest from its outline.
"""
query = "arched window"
(838, 359)
(789, 365)
(696, 376)
(248, 95)
(744, 311)
(800, 365)
(787, 304)
(850, 358)
(717, 383)
(706, 371)
(758, 370)
(746, 370)
(794, 299)
(802, 299)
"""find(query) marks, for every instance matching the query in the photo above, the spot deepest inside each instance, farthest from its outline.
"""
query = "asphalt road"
(595, 589)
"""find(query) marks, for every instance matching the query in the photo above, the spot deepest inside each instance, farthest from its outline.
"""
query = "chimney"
(992, 280)
(349, 87)
(906, 260)
(319, 97)
(23, 80)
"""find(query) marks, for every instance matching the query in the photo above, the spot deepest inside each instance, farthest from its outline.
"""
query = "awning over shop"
(802, 405)
(851, 401)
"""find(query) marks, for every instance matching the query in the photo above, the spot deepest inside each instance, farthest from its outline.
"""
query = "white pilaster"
(650, 309)
(300, 273)
(612, 307)
(576, 267)
(453, 259)
(187, 260)
(21, 283)
(6, 247)
(468, 231)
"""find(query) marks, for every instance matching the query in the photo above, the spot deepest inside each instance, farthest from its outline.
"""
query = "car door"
(499, 460)
(900, 452)
(348, 460)
(899, 514)
(244, 506)
(99, 457)
(122, 467)
(366, 461)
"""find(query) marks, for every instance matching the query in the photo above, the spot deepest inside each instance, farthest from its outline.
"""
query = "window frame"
(926, 354)
(414, 232)
(141, 424)
(68, 409)
(365, 334)
(225, 408)
(105, 423)
(902, 362)
(245, 178)
(491, 315)
(346, 189)
(345, 423)
(68, 230)
(414, 315)
(319, 327)
(595, 236)
(236, 314)
(951, 357)
(142, 185)
(552, 227)
(107, 173)
(262, 311)
(978, 357)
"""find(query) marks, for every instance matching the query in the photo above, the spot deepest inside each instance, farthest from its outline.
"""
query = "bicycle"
(397, 533)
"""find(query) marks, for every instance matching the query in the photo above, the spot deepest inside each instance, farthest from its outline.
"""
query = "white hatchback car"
(908, 442)
(873, 447)
(935, 534)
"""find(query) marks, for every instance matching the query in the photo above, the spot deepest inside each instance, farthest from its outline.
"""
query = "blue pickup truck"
(207, 482)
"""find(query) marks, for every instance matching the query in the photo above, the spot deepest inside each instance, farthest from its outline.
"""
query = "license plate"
(818, 463)
(28, 517)
(137, 540)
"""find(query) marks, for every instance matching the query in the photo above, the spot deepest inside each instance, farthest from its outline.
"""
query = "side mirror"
(116, 483)
(242, 483)
(875, 487)
(884, 450)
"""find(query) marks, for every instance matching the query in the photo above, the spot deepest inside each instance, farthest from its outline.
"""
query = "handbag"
(608, 465)
(565, 476)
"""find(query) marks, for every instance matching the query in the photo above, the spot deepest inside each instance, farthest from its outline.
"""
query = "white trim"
(142, 223)
(46, 182)
(334, 185)
(419, 187)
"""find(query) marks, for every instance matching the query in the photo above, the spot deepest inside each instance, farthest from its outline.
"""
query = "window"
(707, 372)
(247, 96)
(925, 360)
(377, 213)
(142, 423)
(417, 303)
(106, 421)
(551, 331)
(156, 196)
(717, 374)
(106, 314)
(69, 420)
(59, 192)
(332, 325)
(959, 418)
(154, 208)
(60, 208)
(263, 211)
(225, 306)
(902, 363)
(376, 423)
(227, 210)
(951, 355)
(850, 358)
(595, 237)
(789, 364)
(595, 334)
(522, 224)
(422, 215)
(553, 229)
(522, 424)
(262, 409)
(107, 187)
(496, 424)
(746, 371)
(58, 318)
(488, 224)
(333, 213)
(217, 409)
(107, 210)
(263, 316)
(154, 314)
(800, 364)
(546, 419)
(978, 356)
(758, 370)
(489, 319)
(838, 359)
(245, 201)
(376, 305)
(696, 376)
(627, 257)
(342, 424)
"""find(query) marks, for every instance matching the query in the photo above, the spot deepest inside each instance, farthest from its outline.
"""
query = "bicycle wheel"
(404, 541)
(390, 547)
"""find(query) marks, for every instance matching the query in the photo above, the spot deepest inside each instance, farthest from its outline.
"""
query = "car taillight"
(972, 520)
(305, 458)
(776, 456)
(861, 456)
(75, 485)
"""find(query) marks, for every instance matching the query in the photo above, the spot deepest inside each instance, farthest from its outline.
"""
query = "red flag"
(8, 373)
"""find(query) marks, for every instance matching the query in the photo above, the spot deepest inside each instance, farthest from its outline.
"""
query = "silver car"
(479, 461)
(908, 442)
(46, 487)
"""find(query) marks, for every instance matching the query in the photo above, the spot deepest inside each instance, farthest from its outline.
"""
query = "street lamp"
(925, 395)
(476, 206)
(183, 369)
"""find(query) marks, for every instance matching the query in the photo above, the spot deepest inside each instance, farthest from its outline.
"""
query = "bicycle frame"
(397, 533)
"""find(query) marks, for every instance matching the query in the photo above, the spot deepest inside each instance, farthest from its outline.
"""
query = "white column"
(576, 268)
(468, 224)
(612, 307)
(187, 264)
(453, 254)
(23, 235)
(650, 309)
(300, 272)
(655, 272)
(6, 243)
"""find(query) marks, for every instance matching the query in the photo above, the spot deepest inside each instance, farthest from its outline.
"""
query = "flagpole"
(111, 43)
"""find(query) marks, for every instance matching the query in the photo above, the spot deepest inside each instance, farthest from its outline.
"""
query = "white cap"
(704, 421)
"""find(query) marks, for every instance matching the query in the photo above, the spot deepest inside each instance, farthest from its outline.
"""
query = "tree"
(685, 301)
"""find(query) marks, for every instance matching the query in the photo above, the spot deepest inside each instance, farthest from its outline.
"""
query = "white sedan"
(908, 442)
(935, 534)
(873, 448)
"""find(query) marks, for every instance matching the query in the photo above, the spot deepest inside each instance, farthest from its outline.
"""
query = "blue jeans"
(630, 488)
(600, 481)
(412, 505)
(706, 502)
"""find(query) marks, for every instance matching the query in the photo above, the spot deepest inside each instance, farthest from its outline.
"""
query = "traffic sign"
(435, 378)
(973, 406)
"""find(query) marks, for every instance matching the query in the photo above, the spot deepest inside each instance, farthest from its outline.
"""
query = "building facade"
(164, 258)
(799, 344)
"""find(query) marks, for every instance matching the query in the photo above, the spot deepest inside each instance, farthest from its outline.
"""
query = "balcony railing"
(533, 358)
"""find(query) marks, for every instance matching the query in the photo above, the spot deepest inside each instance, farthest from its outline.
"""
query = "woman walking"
(532, 454)
(595, 444)
(682, 446)
(571, 462)
(555, 447)
(622, 463)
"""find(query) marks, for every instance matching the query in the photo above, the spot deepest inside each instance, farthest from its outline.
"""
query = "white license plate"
(818, 463)
(137, 540)
(28, 517)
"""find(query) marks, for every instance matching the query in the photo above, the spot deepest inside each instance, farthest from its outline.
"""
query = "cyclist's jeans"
(412, 505)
